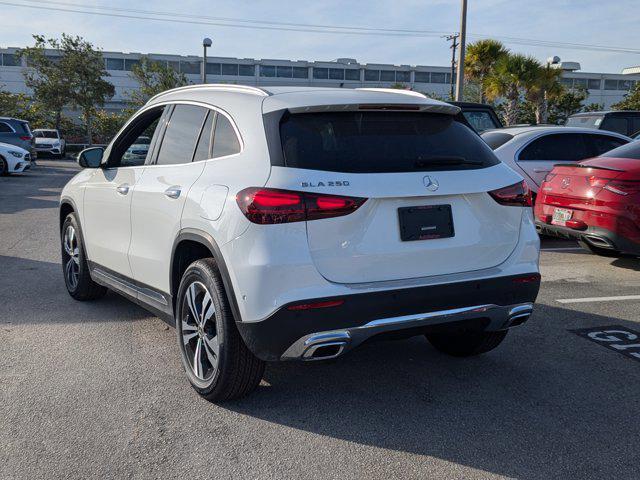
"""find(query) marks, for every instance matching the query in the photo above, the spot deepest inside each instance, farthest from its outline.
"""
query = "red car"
(596, 201)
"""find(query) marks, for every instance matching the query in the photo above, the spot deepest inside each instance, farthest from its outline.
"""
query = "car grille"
(44, 145)
(139, 152)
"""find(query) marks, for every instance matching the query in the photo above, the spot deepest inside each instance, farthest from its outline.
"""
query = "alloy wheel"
(72, 262)
(199, 331)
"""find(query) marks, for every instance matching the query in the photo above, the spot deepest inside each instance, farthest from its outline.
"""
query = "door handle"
(123, 189)
(173, 192)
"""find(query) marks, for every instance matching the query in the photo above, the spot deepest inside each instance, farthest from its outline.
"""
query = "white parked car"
(137, 152)
(49, 142)
(532, 151)
(13, 159)
(294, 223)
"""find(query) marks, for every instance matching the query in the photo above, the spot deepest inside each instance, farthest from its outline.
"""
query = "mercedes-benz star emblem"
(565, 182)
(430, 183)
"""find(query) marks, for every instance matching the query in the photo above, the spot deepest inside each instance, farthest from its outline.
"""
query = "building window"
(351, 74)
(174, 65)
(625, 84)
(423, 77)
(437, 77)
(579, 83)
(594, 84)
(300, 72)
(372, 75)
(321, 73)
(213, 69)
(611, 84)
(387, 76)
(190, 67)
(9, 60)
(115, 64)
(403, 76)
(284, 72)
(230, 69)
(336, 73)
(128, 64)
(567, 82)
(267, 70)
(247, 70)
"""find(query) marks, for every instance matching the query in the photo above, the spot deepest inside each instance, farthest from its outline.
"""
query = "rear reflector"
(535, 277)
(266, 206)
(517, 195)
(311, 306)
(25, 138)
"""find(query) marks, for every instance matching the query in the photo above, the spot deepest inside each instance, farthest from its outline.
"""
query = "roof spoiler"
(580, 165)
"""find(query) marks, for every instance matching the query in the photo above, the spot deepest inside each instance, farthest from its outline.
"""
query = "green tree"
(107, 124)
(544, 88)
(512, 76)
(631, 100)
(21, 106)
(480, 59)
(47, 76)
(593, 107)
(566, 104)
(154, 77)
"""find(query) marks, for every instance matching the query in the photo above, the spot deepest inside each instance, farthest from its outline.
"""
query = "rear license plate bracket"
(425, 222)
(560, 216)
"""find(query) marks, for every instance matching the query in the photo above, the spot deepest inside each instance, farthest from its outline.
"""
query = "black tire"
(466, 344)
(603, 252)
(77, 278)
(4, 168)
(230, 372)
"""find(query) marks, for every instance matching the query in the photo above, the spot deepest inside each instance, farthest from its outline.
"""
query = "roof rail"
(400, 91)
(215, 86)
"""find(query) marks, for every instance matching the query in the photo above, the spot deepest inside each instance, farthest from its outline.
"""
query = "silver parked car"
(17, 132)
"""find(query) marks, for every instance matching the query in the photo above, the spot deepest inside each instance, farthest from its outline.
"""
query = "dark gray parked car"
(17, 132)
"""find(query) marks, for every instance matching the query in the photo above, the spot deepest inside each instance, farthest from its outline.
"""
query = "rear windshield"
(481, 120)
(630, 150)
(587, 121)
(496, 139)
(378, 142)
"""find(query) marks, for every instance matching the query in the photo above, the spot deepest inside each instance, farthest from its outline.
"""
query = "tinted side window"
(616, 124)
(557, 147)
(630, 150)
(182, 133)
(4, 128)
(604, 143)
(225, 141)
(204, 144)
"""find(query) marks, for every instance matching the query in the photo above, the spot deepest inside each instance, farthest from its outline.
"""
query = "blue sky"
(612, 23)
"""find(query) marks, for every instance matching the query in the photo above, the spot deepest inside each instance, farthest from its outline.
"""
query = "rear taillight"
(269, 205)
(623, 187)
(25, 138)
(518, 195)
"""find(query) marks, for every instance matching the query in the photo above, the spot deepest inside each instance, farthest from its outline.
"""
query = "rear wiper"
(444, 160)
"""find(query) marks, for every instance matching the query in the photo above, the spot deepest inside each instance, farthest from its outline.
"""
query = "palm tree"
(513, 75)
(481, 57)
(546, 87)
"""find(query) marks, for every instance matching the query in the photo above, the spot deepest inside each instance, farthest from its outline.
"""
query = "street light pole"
(463, 36)
(205, 43)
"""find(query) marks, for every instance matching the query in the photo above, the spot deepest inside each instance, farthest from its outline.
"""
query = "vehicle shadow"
(630, 263)
(545, 404)
(33, 291)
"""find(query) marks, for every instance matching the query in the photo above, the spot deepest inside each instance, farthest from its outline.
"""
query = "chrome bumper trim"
(501, 317)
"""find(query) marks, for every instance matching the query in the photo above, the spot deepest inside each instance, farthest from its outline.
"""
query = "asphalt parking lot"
(95, 390)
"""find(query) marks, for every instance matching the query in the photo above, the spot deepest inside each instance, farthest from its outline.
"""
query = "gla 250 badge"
(336, 183)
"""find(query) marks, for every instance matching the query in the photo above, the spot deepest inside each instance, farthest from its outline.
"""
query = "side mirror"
(90, 157)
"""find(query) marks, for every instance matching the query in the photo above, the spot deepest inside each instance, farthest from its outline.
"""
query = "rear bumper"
(596, 236)
(487, 304)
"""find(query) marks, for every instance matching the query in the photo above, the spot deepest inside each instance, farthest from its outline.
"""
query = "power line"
(230, 22)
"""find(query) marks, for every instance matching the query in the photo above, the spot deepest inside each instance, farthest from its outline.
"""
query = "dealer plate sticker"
(619, 339)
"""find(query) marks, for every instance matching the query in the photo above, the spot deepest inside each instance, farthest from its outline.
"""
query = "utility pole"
(454, 45)
(206, 43)
(463, 35)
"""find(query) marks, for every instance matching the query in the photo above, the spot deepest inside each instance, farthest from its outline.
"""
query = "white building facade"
(603, 88)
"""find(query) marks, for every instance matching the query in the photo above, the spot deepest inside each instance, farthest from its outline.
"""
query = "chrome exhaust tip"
(324, 351)
(520, 314)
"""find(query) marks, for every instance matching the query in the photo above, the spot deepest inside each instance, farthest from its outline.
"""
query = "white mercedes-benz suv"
(295, 223)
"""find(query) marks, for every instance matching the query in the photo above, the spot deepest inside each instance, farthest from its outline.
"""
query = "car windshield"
(630, 150)
(45, 134)
(480, 120)
(496, 139)
(142, 141)
(587, 121)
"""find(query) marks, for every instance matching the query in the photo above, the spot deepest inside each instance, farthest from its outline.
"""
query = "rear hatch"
(425, 177)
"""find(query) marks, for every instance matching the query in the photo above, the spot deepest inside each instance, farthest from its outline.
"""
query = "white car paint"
(132, 233)
(16, 159)
(534, 171)
(49, 140)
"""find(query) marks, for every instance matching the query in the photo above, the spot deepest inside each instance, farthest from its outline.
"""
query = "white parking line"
(598, 299)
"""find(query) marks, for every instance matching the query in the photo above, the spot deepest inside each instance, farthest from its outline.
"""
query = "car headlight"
(15, 154)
